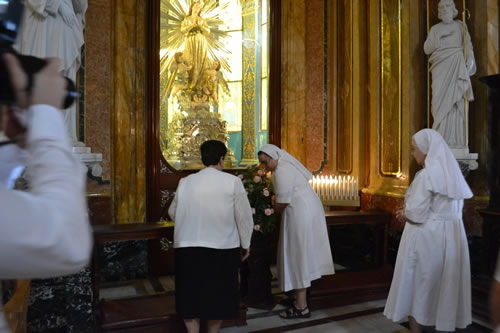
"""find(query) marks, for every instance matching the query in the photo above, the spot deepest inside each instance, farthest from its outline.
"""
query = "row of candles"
(335, 188)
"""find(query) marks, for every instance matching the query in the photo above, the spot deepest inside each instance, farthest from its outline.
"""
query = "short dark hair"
(212, 151)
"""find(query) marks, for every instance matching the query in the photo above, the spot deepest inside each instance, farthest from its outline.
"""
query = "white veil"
(442, 167)
(282, 156)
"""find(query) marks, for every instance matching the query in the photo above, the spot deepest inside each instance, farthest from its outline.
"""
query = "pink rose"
(268, 212)
(240, 177)
(256, 227)
(260, 172)
(256, 179)
(266, 193)
(253, 211)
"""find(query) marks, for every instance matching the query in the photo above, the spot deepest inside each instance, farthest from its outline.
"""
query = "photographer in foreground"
(43, 232)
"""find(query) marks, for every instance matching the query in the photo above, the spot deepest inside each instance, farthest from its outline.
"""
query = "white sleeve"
(283, 184)
(418, 203)
(12, 160)
(173, 205)
(45, 232)
(242, 214)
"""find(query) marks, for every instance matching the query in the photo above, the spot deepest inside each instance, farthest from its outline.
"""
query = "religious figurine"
(451, 85)
(194, 57)
(199, 103)
(55, 29)
(213, 78)
(194, 27)
(180, 70)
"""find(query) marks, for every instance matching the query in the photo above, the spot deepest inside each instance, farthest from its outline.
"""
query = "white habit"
(304, 252)
(431, 279)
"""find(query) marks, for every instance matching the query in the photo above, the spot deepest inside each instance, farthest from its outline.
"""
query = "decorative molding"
(391, 71)
(164, 168)
(249, 64)
(345, 91)
(165, 196)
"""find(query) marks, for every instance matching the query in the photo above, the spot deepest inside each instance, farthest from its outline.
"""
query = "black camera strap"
(8, 142)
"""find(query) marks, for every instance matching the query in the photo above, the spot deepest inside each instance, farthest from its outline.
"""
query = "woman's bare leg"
(213, 326)
(414, 326)
(301, 298)
(192, 325)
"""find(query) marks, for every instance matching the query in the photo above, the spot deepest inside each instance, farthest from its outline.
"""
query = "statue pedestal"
(467, 161)
(91, 160)
(187, 131)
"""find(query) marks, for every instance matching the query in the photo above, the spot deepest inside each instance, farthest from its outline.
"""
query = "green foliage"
(260, 195)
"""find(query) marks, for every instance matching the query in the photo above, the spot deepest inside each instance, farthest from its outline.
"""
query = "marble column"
(128, 119)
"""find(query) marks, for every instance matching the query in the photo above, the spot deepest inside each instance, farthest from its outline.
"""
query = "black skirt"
(206, 283)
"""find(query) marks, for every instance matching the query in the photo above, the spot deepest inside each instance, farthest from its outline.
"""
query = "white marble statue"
(450, 74)
(54, 28)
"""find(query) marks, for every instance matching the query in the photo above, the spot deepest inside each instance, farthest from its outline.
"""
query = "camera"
(11, 12)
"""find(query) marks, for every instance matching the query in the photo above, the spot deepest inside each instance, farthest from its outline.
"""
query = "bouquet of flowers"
(260, 193)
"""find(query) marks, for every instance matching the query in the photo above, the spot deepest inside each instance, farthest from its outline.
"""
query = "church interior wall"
(331, 75)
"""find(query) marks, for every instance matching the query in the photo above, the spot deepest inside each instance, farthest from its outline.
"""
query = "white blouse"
(211, 209)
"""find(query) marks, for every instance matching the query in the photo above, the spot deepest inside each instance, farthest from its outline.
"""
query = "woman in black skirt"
(213, 219)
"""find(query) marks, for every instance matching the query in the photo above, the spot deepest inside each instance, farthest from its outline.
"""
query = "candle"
(348, 187)
(330, 188)
(343, 187)
(336, 187)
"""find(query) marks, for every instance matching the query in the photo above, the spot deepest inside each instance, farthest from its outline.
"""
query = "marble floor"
(364, 317)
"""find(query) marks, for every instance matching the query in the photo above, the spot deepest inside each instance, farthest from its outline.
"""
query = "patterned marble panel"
(99, 209)
(128, 119)
(98, 81)
(386, 204)
(64, 304)
(294, 84)
(493, 46)
(121, 261)
(473, 222)
(61, 304)
(315, 78)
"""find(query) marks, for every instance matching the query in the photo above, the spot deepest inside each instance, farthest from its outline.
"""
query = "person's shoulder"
(228, 176)
(423, 178)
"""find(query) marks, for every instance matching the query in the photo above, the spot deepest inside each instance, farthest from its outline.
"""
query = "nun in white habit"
(431, 282)
(304, 252)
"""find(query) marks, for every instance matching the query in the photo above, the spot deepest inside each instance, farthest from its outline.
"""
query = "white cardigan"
(211, 209)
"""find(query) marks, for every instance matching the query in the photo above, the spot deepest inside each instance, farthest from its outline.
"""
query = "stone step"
(81, 150)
